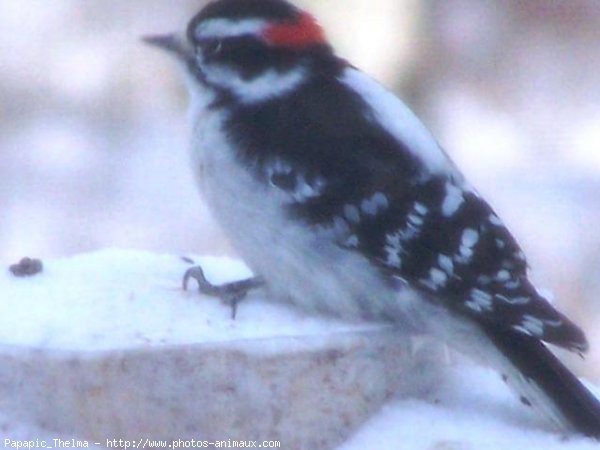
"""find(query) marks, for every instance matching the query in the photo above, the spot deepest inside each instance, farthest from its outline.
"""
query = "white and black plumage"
(340, 199)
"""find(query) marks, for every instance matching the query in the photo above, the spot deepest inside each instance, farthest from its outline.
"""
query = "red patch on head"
(302, 33)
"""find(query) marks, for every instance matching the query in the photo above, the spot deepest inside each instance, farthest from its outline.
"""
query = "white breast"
(300, 264)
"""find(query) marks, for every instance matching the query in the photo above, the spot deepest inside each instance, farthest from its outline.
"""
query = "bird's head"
(250, 50)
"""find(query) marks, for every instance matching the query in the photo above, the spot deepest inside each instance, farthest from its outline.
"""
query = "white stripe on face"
(224, 28)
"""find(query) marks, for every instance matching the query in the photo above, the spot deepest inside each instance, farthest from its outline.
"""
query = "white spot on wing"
(398, 120)
(400, 280)
(352, 241)
(412, 229)
(503, 275)
(393, 240)
(420, 208)
(553, 323)
(495, 220)
(393, 249)
(482, 299)
(305, 191)
(473, 305)
(469, 238)
(415, 219)
(368, 208)
(453, 200)
(438, 277)
(513, 284)
(351, 213)
(521, 329)
(393, 258)
(513, 300)
(371, 206)
(534, 325)
(278, 167)
(380, 200)
(445, 262)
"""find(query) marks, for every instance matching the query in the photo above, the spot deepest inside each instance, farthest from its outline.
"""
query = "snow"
(120, 299)
(469, 408)
(115, 299)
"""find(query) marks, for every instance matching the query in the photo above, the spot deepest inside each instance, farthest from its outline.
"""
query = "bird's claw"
(229, 293)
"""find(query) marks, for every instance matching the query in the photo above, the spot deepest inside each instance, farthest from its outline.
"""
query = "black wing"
(344, 172)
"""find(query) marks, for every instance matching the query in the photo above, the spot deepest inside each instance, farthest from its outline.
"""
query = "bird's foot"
(229, 293)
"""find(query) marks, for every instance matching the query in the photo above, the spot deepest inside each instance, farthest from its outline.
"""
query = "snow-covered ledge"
(108, 345)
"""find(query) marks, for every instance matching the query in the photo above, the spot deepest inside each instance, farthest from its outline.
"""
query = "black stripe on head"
(279, 10)
(250, 57)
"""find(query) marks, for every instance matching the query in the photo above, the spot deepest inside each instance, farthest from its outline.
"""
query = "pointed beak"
(177, 46)
(171, 43)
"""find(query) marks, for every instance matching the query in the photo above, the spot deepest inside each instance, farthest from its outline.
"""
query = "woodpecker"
(343, 203)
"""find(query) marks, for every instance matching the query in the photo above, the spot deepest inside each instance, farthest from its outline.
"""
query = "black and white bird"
(343, 203)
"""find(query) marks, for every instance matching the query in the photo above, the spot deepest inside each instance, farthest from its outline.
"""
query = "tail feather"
(544, 382)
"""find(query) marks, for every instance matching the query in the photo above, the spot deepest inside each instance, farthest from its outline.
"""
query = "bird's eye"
(212, 47)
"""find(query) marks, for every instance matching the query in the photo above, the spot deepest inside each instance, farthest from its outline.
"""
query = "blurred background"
(94, 135)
